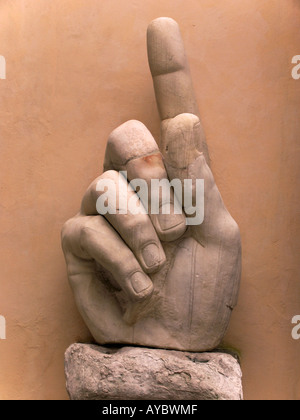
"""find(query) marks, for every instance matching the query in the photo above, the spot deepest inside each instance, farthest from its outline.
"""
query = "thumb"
(181, 144)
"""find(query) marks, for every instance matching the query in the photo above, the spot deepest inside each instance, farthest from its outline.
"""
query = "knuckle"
(181, 137)
(84, 236)
(233, 232)
(66, 229)
(66, 234)
(74, 235)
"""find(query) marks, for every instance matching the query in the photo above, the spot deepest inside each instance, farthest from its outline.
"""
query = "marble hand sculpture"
(151, 279)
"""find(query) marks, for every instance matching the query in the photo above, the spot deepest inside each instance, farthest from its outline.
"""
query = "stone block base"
(134, 373)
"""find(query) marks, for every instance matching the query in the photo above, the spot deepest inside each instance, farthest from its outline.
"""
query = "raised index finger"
(171, 73)
(170, 70)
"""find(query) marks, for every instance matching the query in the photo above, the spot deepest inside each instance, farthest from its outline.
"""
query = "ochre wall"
(76, 69)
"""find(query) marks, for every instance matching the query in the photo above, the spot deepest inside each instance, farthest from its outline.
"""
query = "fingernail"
(141, 284)
(151, 255)
(168, 219)
(171, 223)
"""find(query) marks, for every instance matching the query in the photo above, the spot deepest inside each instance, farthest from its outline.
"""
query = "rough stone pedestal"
(134, 373)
